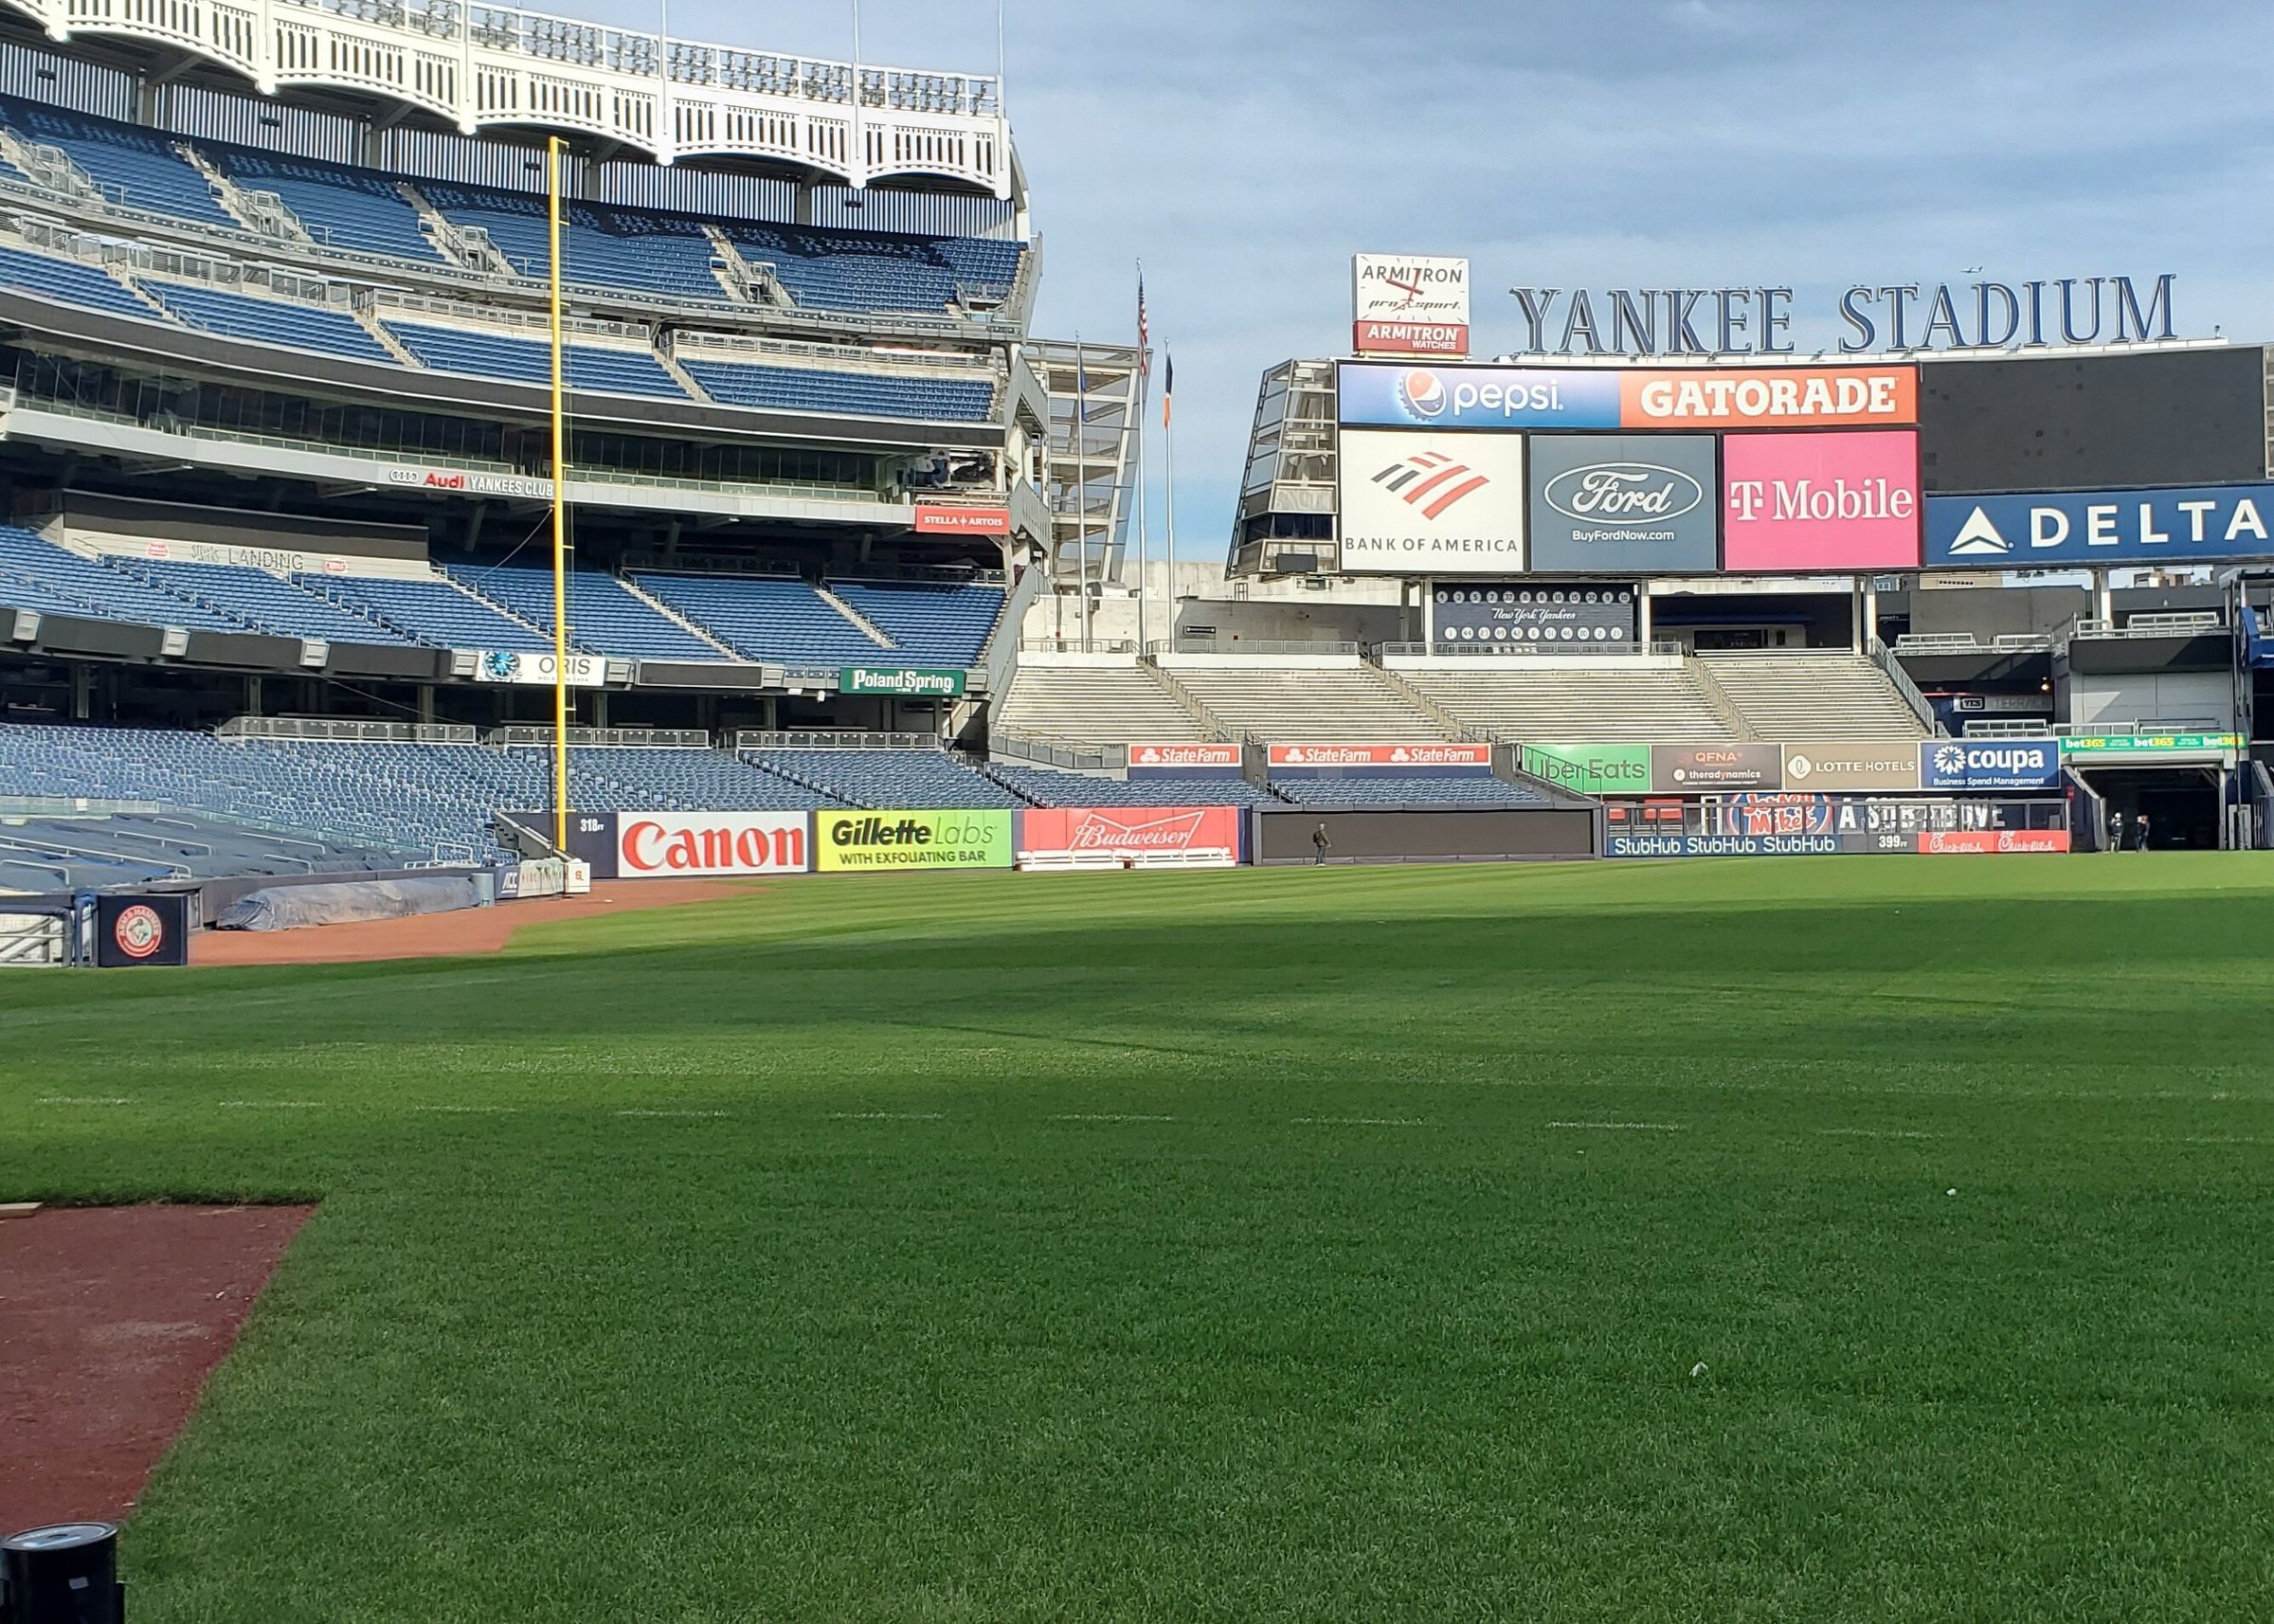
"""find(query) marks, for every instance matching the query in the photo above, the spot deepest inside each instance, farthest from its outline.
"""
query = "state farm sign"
(1183, 758)
(1382, 755)
(673, 845)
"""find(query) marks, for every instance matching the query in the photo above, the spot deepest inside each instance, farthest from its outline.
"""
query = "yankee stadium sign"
(1899, 315)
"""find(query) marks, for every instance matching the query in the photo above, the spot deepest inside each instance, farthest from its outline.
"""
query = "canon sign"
(655, 845)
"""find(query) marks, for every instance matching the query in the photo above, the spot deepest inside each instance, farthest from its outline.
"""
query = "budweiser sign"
(1382, 755)
(1180, 757)
(1130, 833)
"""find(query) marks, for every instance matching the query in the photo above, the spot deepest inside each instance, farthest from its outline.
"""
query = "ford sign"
(1624, 493)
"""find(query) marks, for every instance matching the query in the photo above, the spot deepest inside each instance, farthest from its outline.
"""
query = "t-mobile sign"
(1836, 501)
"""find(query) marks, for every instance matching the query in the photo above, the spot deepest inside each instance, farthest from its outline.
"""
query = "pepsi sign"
(2193, 524)
(1378, 396)
(1989, 764)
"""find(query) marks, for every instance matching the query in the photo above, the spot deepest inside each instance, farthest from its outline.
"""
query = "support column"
(1644, 635)
(1871, 612)
(1855, 613)
(1428, 615)
(2104, 601)
(600, 707)
(82, 689)
(426, 703)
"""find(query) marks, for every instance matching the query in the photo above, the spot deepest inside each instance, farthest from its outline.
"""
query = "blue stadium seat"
(765, 616)
(1408, 789)
(132, 166)
(529, 360)
(271, 322)
(355, 209)
(68, 281)
(605, 616)
(834, 269)
(435, 613)
(261, 600)
(1045, 788)
(884, 778)
(90, 586)
(929, 623)
(667, 254)
(852, 394)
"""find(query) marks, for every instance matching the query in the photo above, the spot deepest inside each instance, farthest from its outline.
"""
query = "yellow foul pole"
(560, 508)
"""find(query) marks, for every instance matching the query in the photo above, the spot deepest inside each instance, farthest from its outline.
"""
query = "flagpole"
(560, 507)
(1168, 500)
(1137, 424)
(1081, 485)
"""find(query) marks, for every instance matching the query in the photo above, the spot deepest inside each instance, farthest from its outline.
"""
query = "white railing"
(1530, 650)
(1892, 669)
(239, 729)
(831, 739)
(1248, 645)
(481, 65)
(1044, 750)
(522, 736)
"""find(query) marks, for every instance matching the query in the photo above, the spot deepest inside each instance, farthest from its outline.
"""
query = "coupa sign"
(2201, 523)
(1999, 764)
(678, 845)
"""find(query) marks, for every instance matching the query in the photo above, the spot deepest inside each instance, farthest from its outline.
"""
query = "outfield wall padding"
(291, 907)
(1424, 836)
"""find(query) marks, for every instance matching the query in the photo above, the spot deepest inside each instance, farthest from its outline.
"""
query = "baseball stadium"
(664, 960)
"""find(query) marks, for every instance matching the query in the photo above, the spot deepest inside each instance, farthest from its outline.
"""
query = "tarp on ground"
(290, 907)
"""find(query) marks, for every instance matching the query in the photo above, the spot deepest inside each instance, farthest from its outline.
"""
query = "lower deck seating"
(1118, 704)
(886, 778)
(1828, 693)
(1046, 787)
(1408, 789)
(1320, 704)
(1595, 698)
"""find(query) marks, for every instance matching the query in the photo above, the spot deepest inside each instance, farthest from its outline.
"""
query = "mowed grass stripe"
(890, 1340)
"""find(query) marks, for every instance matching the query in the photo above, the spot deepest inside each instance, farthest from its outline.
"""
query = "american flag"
(1144, 359)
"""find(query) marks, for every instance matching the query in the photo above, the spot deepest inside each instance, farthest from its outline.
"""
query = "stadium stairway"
(1827, 694)
(1320, 703)
(1100, 704)
(1602, 699)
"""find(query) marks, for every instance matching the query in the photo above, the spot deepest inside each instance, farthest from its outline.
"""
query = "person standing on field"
(2116, 829)
(1320, 845)
(2140, 833)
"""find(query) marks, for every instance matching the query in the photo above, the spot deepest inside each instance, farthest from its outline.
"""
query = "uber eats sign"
(851, 841)
(907, 682)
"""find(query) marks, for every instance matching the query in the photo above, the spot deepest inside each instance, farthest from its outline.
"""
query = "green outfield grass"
(1846, 1238)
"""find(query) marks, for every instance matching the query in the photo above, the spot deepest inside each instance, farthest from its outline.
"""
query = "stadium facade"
(849, 538)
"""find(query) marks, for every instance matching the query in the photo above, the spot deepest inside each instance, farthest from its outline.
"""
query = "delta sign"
(2056, 530)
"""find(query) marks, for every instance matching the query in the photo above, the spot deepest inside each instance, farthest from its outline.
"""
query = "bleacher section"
(639, 778)
(929, 623)
(270, 322)
(873, 270)
(485, 354)
(1349, 703)
(1824, 694)
(1476, 791)
(67, 281)
(852, 394)
(1095, 704)
(1607, 700)
(1045, 786)
(64, 583)
(764, 617)
(259, 600)
(605, 616)
(655, 254)
(886, 778)
(129, 166)
(437, 612)
(94, 851)
(342, 207)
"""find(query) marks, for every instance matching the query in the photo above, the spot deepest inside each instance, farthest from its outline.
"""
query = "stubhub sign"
(2197, 523)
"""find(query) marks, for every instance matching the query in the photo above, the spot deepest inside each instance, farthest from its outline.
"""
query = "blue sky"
(1244, 149)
